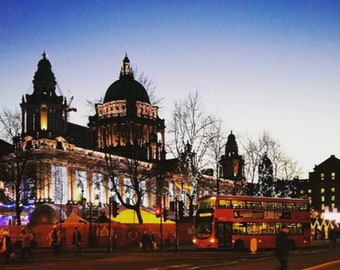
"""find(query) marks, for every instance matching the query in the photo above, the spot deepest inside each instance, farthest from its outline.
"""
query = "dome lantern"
(126, 69)
(126, 88)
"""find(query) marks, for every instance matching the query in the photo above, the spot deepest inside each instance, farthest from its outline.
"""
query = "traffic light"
(180, 209)
(115, 209)
(158, 212)
(165, 214)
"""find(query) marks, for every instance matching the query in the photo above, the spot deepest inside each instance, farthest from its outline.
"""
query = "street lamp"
(90, 244)
(109, 246)
(97, 204)
(83, 203)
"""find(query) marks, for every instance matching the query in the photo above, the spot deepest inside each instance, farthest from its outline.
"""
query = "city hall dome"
(126, 88)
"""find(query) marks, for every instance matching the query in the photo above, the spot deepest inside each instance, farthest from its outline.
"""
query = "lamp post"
(90, 229)
(97, 204)
(176, 224)
(109, 245)
(83, 203)
(161, 228)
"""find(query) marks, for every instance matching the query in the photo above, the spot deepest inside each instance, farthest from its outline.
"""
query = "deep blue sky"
(260, 65)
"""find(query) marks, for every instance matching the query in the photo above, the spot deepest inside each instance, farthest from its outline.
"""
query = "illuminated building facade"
(66, 163)
(126, 124)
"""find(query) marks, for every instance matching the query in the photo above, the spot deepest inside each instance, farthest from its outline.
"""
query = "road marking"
(174, 266)
(18, 267)
(322, 266)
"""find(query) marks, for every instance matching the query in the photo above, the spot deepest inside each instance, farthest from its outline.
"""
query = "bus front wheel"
(239, 245)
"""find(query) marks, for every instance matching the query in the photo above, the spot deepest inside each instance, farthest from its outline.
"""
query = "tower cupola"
(44, 112)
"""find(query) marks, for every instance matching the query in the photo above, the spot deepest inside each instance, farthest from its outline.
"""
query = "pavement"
(68, 253)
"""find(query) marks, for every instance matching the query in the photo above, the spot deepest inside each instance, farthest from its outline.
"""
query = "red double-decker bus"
(231, 222)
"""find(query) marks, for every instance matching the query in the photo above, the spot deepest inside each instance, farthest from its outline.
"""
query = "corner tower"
(44, 113)
(126, 124)
(232, 163)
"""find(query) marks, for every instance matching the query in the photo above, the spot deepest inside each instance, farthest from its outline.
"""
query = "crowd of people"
(148, 243)
(7, 245)
(54, 239)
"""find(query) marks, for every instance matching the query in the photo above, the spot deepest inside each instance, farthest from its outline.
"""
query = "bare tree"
(283, 167)
(191, 131)
(150, 87)
(10, 124)
(18, 172)
(215, 149)
(135, 185)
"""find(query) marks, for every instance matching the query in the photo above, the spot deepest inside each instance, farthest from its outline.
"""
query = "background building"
(324, 184)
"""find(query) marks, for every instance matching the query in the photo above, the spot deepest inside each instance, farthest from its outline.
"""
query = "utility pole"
(109, 244)
(176, 224)
(90, 229)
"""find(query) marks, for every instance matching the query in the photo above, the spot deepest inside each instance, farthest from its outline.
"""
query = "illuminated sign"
(262, 215)
(205, 214)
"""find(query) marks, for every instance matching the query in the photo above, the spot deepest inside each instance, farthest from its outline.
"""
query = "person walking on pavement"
(282, 247)
(166, 238)
(145, 241)
(7, 247)
(26, 239)
(76, 242)
(54, 239)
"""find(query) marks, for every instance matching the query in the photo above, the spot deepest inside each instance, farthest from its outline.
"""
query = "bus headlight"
(212, 241)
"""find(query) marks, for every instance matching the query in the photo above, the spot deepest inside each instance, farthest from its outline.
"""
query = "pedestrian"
(7, 246)
(332, 233)
(54, 239)
(26, 238)
(76, 242)
(145, 241)
(166, 237)
(282, 247)
(114, 240)
(153, 243)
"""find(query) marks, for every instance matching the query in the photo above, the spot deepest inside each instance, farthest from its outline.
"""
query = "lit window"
(333, 175)
(322, 176)
(322, 190)
(301, 191)
(43, 117)
(309, 191)
(333, 189)
(333, 205)
(322, 207)
(333, 198)
(322, 198)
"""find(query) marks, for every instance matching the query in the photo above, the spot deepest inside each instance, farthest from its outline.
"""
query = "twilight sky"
(260, 65)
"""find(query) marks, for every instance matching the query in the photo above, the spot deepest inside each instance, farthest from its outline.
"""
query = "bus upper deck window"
(253, 205)
(268, 205)
(238, 204)
(224, 203)
(278, 205)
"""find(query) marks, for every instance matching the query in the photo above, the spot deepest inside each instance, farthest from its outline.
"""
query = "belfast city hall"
(119, 157)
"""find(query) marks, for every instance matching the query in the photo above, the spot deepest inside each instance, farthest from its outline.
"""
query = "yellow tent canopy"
(129, 216)
(73, 218)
